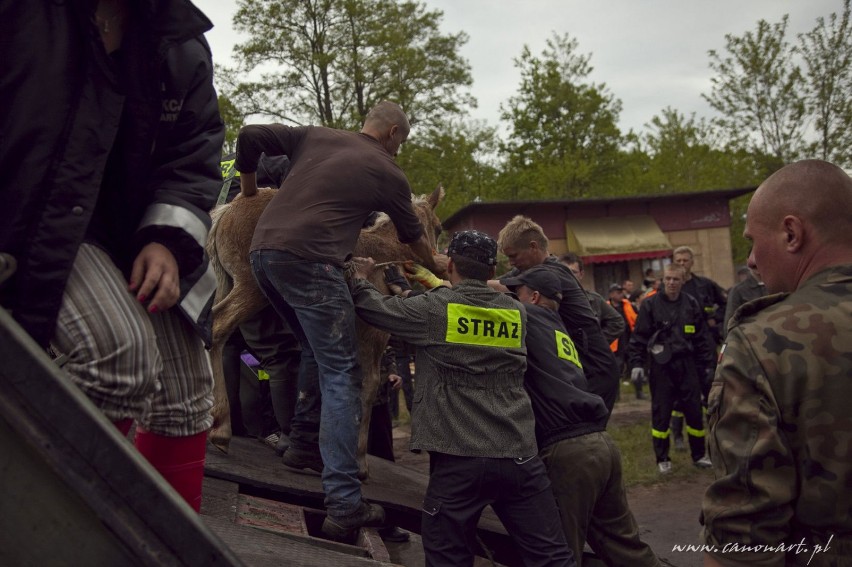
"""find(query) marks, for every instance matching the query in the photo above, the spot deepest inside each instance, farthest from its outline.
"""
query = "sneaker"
(301, 459)
(345, 528)
(679, 445)
(703, 463)
(664, 467)
(270, 440)
(394, 534)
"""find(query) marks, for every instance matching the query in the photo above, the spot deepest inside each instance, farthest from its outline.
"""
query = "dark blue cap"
(475, 245)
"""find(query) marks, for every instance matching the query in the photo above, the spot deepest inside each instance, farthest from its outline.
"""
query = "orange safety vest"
(630, 315)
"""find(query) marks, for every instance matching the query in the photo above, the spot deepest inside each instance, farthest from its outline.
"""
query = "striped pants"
(132, 364)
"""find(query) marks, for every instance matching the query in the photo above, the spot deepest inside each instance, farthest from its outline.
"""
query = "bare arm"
(248, 184)
(423, 250)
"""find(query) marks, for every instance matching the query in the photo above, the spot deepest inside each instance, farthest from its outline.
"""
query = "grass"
(633, 438)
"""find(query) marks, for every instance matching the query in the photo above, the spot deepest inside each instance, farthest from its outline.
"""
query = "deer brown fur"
(238, 297)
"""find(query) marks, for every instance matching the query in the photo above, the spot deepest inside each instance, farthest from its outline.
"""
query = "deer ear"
(436, 197)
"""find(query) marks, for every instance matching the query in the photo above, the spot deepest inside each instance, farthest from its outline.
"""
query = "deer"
(238, 297)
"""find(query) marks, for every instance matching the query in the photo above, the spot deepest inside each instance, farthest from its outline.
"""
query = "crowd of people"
(112, 146)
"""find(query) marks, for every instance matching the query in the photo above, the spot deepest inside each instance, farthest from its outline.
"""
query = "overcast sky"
(650, 53)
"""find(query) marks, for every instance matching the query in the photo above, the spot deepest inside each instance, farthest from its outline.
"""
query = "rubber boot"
(180, 461)
(677, 432)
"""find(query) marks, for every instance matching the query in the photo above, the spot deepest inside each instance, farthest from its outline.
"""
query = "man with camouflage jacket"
(471, 411)
(779, 411)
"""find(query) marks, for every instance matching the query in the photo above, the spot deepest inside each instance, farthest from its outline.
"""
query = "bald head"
(818, 192)
(799, 222)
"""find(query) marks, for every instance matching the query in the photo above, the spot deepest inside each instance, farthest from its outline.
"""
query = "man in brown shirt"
(302, 240)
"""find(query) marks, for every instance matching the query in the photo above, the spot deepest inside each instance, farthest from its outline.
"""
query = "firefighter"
(671, 328)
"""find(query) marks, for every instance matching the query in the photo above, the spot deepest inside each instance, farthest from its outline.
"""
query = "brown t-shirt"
(337, 178)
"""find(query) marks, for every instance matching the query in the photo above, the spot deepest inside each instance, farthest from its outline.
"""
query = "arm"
(405, 318)
(185, 180)
(423, 250)
(612, 324)
(637, 349)
(751, 502)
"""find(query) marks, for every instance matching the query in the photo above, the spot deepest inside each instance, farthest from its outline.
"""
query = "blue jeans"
(314, 298)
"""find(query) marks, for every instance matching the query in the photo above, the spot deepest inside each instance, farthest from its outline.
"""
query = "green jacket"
(470, 398)
(780, 414)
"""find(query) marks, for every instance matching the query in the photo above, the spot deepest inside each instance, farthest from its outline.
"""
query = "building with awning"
(617, 239)
(621, 237)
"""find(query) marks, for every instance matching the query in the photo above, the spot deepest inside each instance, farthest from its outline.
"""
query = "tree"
(687, 154)
(564, 139)
(328, 62)
(233, 120)
(757, 91)
(827, 54)
(454, 154)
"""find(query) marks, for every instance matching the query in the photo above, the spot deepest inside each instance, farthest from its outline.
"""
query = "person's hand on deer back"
(155, 277)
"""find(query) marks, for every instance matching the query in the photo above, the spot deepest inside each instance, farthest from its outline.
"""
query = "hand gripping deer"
(238, 297)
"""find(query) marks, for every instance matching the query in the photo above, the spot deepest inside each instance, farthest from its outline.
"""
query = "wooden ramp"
(253, 470)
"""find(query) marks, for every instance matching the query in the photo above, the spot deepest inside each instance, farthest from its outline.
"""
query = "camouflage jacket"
(781, 428)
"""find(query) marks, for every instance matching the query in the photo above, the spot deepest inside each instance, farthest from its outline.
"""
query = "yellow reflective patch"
(262, 375)
(565, 348)
(660, 434)
(227, 168)
(689, 329)
(470, 325)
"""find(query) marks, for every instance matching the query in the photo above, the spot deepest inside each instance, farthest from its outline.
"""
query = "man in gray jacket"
(471, 411)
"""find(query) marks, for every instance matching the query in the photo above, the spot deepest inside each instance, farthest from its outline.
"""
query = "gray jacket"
(470, 398)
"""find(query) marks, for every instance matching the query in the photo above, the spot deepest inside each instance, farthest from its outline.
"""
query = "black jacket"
(555, 382)
(118, 150)
(683, 329)
(599, 364)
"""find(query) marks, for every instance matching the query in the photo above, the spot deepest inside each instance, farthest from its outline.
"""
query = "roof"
(517, 206)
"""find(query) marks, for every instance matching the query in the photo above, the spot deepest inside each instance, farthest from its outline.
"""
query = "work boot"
(345, 528)
(302, 460)
(703, 463)
(394, 534)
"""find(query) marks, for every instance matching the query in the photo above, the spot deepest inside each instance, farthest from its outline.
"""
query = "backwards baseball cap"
(537, 278)
(475, 245)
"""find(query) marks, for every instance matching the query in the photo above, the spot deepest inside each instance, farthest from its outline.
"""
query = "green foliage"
(328, 62)
(827, 54)
(453, 154)
(234, 120)
(758, 89)
(564, 140)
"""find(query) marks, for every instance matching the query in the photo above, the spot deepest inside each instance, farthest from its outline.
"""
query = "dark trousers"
(519, 492)
(587, 481)
(269, 337)
(404, 371)
(380, 436)
(676, 380)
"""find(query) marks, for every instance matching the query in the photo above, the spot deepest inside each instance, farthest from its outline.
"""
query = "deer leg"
(243, 302)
